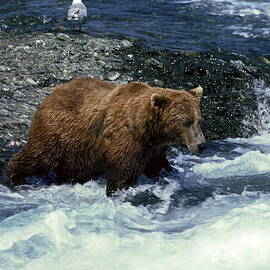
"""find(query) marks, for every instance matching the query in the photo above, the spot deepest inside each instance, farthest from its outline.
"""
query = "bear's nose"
(201, 147)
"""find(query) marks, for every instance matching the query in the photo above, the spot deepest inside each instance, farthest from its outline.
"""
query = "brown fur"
(87, 127)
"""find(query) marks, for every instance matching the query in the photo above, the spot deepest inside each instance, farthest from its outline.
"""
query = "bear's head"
(177, 116)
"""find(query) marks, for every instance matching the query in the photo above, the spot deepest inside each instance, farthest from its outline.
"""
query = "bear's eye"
(188, 123)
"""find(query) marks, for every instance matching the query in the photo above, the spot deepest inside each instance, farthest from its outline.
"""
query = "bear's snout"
(194, 139)
(201, 147)
(196, 148)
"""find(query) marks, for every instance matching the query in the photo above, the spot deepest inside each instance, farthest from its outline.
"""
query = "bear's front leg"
(157, 162)
(155, 165)
(118, 179)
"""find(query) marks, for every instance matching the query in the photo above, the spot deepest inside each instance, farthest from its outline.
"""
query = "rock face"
(31, 64)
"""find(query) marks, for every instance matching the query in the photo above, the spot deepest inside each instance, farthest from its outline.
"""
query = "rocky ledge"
(31, 64)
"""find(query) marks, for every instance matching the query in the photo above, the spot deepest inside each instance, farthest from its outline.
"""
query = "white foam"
(250, 163)
(236, 239)
(231, 7)
(77, 227)
(244, 8)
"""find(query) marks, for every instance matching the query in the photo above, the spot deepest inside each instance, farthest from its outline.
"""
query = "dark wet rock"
(3, 68)
(153, 63)
(144, 198)
(113, 76)
(30, 81)
(158, 83)
(191, 196)
(266, 60)
(64, 37)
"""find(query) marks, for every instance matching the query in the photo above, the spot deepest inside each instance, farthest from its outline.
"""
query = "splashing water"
(260, 120)
(79, 228)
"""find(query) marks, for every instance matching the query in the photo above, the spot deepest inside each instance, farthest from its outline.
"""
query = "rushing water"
(211, 212)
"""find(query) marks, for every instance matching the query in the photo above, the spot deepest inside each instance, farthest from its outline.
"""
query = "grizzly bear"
(86, 128)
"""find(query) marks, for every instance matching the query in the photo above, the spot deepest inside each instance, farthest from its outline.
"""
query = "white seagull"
(77, 11)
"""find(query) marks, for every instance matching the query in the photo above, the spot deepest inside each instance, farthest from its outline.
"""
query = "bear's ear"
(197, 93)
(158, 100)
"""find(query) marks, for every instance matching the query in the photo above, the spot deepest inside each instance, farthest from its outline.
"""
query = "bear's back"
(71, 96)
